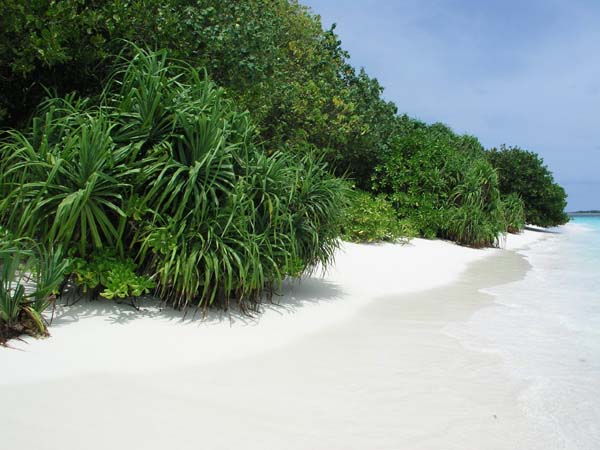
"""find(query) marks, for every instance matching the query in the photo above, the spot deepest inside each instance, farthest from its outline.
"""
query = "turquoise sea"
(546, 327)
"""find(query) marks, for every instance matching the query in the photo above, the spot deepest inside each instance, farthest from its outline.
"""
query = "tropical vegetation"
(204, 151)
(370, 218)
(30, 280)
(162, 183)
(524, 173)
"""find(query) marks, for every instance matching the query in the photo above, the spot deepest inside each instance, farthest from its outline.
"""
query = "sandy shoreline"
(357, 359)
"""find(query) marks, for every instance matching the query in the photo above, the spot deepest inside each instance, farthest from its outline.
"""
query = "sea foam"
(546, 327)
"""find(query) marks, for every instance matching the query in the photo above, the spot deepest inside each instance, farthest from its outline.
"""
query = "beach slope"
(356, 358)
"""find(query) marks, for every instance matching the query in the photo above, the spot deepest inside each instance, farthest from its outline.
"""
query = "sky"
(523, 73)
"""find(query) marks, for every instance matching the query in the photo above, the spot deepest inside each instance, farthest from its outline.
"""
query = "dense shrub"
(110, 277)
(474, 213)
(442, 183)
(514, 213)
(373, 219)
(523, 173)
(151, 176)
(165, 171)
(273, 57)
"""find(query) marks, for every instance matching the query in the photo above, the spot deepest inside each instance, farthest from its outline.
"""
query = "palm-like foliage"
(29, 281)
(144, 98)
(166, 172)
(66, 181)
(48, 273)
(12, 289)
(227, 221)
(198, 172)
(475, 214)
(513, 209)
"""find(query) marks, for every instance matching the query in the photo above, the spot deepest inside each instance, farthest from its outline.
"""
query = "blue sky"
(523, 73)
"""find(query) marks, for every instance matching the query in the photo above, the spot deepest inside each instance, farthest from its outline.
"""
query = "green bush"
(442, 183)
(523, 173)
(514, 213)
(373, 219)
(110, 276)
(165, 171)
(66, 179)
(273, 57)
(474, 216)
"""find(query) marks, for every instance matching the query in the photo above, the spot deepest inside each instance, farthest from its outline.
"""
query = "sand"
(359, 358)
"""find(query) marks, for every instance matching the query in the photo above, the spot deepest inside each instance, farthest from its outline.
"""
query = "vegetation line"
(203, 152)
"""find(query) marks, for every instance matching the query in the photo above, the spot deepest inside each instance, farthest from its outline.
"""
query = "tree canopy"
(272, 58)
(524, 173)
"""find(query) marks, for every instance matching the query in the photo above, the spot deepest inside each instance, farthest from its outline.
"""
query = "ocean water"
(546, 328)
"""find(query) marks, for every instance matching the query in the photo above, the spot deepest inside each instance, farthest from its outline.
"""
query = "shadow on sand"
(542, 230)
(294, 295)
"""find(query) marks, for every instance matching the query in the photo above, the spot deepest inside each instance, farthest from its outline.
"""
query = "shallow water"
(546, 327)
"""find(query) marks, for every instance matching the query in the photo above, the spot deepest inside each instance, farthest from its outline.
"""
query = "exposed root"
(131, 303)
(24, 326)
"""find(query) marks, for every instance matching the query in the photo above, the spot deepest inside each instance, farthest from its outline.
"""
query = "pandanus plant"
(66, 180)
(475, 214)
(164, 171)
(29, 281)
(513, 209)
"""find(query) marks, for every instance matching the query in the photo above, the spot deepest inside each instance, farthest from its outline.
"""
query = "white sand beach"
(360, 358)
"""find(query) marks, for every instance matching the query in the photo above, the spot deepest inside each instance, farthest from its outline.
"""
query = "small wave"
(546, 328)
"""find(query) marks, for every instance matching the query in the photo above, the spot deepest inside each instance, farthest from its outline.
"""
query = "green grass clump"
(474, 216)
(513, 209)
(30, 279)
